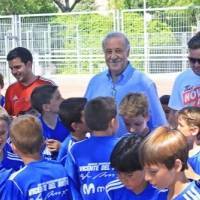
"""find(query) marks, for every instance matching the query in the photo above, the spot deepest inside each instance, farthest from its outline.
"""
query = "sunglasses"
(194, 60)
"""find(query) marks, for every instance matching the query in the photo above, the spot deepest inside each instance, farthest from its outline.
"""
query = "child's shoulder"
(116, 190)
(114, 185)
(40, 168)
(4, 174)
(151, 193)
(48, 164)
(194, 160)
(95, 141)
(191, 192)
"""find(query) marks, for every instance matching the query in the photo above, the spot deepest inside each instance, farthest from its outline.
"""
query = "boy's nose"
(131, 130)
(147, 177)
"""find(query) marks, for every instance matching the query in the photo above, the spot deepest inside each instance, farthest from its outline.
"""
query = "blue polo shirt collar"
(125, 74)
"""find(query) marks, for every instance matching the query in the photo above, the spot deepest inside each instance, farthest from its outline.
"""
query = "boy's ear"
(114, 123)
(45, 107)
(14, 148)
(178, 165)
(147, 118)
(29, 64)
(74, 125)
(194, 130)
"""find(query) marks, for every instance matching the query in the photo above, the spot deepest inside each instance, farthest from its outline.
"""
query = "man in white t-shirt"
(186, 89)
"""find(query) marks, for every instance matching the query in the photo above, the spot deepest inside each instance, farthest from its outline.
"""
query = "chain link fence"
(70, 43)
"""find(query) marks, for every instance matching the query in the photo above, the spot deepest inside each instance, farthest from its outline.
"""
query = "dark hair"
(22, 53)
(70, 110)
(194, 42)
(164, 99)
(42, 95)
(1, 81)
(125, 155)
(99, 112)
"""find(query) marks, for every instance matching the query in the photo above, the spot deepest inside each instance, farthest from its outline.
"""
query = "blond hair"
(26, 134)
(164, 146)
(133, 105)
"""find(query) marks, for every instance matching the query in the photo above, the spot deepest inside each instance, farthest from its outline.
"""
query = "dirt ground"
(75, 85)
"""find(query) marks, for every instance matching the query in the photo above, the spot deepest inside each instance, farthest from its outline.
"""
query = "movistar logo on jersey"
(91, 189)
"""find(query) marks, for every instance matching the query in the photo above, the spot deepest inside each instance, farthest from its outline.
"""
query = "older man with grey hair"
(122, 78)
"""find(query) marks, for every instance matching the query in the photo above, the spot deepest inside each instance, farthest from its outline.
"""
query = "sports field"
(75, 85)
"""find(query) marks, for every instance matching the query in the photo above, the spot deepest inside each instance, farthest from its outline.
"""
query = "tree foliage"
(9, 7)
(133, 4)
(13, 7)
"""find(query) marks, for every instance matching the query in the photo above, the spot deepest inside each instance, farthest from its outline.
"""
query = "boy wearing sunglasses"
(187, 85)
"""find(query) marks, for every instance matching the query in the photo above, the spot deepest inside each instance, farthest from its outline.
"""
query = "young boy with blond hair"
(8, 159)
(39, 179)
(189, 124)
(164, 155)
(134, 110)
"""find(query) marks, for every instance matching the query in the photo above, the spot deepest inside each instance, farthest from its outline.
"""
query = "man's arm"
(157, 115)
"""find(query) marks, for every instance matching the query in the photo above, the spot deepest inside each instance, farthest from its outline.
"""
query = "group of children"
(69, 150)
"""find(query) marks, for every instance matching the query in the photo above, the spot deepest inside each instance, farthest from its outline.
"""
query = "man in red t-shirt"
(17, 98)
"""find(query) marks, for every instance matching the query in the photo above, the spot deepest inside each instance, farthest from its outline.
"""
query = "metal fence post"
(146, 60)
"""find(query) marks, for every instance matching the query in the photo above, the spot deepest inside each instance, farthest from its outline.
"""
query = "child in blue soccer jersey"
(164, 154)
(189, 124)
(4, 174)
(88, 163)
(46, 100)
(9, 162)
(8, 159)
(131, 183)
(38, 179)
(71, 115)
(134, 110)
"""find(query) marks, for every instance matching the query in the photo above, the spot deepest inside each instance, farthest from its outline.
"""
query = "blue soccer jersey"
(38, 180)
(117, 191)
(191, 192)
(10, 160)
(64, 149)
(88, 165)
(58, 133)
(4, 175)
(194, 162)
